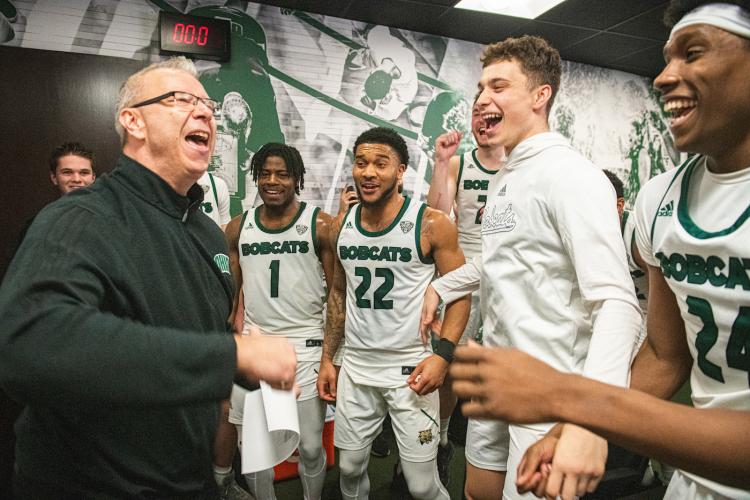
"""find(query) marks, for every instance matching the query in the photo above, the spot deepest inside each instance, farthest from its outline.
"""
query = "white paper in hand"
(270, 428)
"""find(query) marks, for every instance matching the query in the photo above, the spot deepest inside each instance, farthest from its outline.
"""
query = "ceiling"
(627, 35)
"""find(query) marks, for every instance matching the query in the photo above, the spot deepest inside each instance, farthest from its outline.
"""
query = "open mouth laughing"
(491, 122)
(199, 139)
(679, 109)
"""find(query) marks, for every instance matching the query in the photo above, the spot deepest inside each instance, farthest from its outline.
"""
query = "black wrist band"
(445, 349)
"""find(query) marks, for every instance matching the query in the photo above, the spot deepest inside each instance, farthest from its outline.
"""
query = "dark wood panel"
(49, 98)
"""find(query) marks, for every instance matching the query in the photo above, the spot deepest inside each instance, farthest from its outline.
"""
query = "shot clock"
(193, 36)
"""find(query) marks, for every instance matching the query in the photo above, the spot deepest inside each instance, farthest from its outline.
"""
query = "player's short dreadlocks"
(292, 159)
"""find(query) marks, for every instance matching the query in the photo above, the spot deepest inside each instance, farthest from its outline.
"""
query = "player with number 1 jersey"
(280, 256)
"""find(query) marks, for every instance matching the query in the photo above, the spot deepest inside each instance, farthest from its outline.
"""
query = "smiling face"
(377, 173)
(511, 110)
(72, 172)
(705, 88)
(478, 127)
(174, 140)
(275, 184)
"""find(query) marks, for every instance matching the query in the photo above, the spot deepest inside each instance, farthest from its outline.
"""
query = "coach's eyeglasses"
(183, 100)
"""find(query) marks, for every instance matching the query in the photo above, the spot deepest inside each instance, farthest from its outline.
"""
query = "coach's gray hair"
(133, 85)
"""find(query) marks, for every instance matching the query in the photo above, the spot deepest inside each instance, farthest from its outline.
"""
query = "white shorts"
(306, 378)
(360, 410)
(487, 443)
(521, 437)
(683, 487)
(496, 446)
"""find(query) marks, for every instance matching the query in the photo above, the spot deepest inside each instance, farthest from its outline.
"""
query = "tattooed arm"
(336, 315)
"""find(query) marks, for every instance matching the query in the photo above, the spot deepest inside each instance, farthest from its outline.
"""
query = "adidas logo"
(249, 225)
(502, 190)
(348, 225)
(666, 210)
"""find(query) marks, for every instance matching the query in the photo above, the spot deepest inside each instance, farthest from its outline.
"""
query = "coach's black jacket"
(113, 333)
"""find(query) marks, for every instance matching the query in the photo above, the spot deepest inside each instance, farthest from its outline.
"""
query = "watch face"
(199, 37)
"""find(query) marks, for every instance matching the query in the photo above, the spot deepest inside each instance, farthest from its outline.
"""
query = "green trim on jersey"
(365, 232)
(666, 191)
(242, 225)
(418, 239)
(213, 188)
(266, 230)
(343, 222)
(314, 230)
(687, 222)
(460, 170)
(479, 164)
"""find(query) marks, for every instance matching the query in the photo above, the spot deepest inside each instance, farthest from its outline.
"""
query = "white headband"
(726, 16)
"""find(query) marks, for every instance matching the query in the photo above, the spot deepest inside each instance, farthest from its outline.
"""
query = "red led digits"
(185, 34)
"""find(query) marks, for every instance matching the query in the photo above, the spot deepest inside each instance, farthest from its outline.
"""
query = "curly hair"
(616, 183)
(292, 159)
(387, 136)
(539, 61)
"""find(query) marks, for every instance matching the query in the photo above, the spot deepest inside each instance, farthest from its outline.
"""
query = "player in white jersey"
(281, 258)
(215, 199)
(388, 249)
(460, 184)
(691, 230)
(552, 273)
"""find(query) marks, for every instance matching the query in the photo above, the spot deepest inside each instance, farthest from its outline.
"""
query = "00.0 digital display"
(186, 33)
(198, 37)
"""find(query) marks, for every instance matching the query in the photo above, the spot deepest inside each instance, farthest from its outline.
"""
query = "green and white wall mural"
(316, 82)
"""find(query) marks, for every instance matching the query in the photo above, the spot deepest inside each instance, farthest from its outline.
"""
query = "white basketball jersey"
(471, 195)
(386, 277)
(283, 279)
(215, 198)
(706, 264)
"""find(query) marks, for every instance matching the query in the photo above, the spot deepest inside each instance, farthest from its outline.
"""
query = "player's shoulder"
(657, 186)
(434, 220)
(323, 221)
(221, 184)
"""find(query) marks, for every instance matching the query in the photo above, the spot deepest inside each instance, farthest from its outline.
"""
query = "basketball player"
(460, 183)
(215, 199)
(691, 230)
(388, 249)
(281, 257)
(553, 275)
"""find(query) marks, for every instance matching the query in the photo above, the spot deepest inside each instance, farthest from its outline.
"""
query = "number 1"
(274, 267)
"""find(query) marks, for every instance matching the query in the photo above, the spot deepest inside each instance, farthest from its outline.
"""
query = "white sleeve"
(585, 207)
(459, 282)
(644, 216)
(222, 198)
(616, 328)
